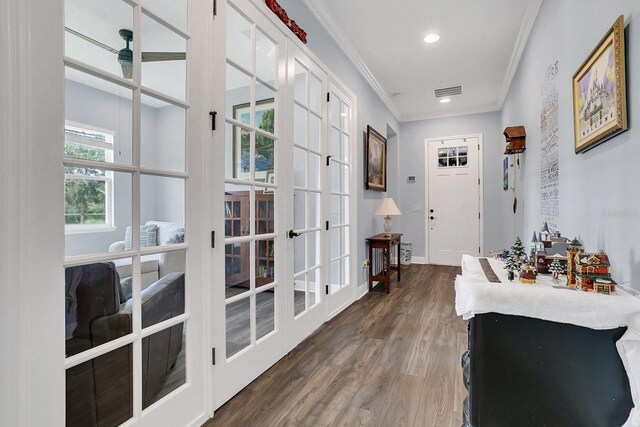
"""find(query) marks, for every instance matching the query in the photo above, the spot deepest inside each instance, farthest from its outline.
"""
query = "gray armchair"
(99, 392)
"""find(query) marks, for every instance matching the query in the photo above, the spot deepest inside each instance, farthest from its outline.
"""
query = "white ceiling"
(480, 46)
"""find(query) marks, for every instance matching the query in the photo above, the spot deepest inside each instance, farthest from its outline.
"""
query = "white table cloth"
(557, 303)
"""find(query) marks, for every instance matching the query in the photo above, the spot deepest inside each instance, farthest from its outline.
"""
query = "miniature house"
(549, 246)
(592, 273)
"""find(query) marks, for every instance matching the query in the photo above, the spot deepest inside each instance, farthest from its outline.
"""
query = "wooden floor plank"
(386, 360)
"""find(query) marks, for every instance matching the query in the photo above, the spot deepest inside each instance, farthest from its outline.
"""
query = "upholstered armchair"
(99, 392)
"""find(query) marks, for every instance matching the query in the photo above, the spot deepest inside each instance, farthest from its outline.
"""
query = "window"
(88, 198)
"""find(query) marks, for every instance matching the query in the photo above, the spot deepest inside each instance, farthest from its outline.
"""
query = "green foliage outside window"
(85, 198)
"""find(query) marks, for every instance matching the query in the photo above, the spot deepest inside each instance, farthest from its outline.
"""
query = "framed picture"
(264, 157)
(505, 174)
(600, 91)
(376, 161)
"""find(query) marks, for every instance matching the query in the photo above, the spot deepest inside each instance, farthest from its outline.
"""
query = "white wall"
(599, 191)
(498, 221)
(371, 111)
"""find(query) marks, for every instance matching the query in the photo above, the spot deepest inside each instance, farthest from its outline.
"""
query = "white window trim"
(109, 225)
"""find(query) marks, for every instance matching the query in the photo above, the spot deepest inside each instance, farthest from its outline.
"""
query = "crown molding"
(327, 20)
(529, 18)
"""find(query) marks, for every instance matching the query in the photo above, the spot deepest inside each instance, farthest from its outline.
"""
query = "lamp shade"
(388, 207)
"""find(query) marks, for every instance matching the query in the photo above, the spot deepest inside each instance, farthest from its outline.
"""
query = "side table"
(380, 267)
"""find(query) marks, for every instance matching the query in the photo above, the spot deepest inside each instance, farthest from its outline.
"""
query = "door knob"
(431, 210)
(432, 217)
(293, 234)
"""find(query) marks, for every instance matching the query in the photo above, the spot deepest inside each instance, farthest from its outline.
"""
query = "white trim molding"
(418, 260)
(529, 18)
(328, 21)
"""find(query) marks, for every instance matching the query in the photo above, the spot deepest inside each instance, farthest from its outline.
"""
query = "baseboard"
(362, 290)
(418, 260)
(199, 420)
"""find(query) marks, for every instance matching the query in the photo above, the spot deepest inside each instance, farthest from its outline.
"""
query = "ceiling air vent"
(448, 91)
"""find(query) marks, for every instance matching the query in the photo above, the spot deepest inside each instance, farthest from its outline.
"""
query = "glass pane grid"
(250, 155)
(116, 366)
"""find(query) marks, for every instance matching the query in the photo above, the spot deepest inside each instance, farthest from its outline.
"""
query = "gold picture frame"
(600, 92)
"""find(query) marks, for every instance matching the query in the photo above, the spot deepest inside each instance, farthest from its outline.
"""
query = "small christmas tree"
(512, 265)
(555, 269)
(517, 249)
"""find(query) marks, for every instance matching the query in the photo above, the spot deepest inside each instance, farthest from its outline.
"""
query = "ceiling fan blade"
(163, 56)
(90, 40)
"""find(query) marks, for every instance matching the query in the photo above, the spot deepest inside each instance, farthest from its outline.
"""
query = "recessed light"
(445, 100)
(431, 38)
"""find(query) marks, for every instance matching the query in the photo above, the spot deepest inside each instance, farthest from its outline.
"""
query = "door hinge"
(327, 225)
(478, 181)
(215, 8)
(213, 239)
(328, 158)
(213, 115)
(328, 96)
(326, 290)
(478, 147)
(213, 356)
(478, 249)
(478, 215)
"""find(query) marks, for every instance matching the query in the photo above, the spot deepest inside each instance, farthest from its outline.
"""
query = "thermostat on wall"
(411, 178)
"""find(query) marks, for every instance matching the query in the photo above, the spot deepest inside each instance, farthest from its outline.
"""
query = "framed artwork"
(505, 174)
(376, 161)
(600, 92)
(264, 157)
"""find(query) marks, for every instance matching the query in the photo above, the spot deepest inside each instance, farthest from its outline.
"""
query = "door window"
(340, 174)
(251, 187)
(126, 175)
(307, 194)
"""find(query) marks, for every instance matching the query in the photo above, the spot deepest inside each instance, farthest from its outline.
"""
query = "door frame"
(480, 187)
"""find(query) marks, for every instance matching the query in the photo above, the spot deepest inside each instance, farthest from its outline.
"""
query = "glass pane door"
(340, 161)
(253, 337)
(307, 194)
(126, 177)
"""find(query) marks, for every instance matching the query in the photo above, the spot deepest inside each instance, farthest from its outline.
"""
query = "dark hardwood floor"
(387, 360)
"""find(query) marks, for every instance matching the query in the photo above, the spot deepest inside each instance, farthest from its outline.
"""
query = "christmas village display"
(551, 253)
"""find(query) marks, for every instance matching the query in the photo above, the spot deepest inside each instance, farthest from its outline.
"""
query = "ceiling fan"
(125, 55)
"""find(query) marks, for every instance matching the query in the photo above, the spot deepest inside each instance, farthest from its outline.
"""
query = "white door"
(341, 187)
(453, 208)
(249, 305)
(132, 341)
(306, 294)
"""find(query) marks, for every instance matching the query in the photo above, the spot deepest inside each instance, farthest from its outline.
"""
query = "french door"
(308, 176)
(132, 338)
(282, 193)
(340, 188)
(248, 328)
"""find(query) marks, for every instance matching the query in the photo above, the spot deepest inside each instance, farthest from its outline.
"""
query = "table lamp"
(387, 208)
